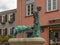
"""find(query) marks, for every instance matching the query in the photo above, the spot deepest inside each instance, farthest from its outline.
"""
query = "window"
(5, 31)
(4, 18)
(54, 36)
(52, 5)
(29, 34)
(27, 0)
(11, 30)
(29, 7)
(11, 17)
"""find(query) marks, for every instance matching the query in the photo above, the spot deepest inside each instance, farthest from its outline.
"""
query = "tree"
(4, 39)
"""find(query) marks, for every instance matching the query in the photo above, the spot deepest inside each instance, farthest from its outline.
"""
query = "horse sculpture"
(19, 29)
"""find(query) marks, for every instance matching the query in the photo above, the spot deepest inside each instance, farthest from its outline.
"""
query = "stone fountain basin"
(27, 41)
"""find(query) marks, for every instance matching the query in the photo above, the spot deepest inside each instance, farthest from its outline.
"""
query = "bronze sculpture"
(36, 26)
(36, 32)
(21, 29)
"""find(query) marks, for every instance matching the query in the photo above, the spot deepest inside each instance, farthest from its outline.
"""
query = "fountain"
(36, 39)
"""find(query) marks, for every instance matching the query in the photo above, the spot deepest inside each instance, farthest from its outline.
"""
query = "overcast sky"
(7, 5)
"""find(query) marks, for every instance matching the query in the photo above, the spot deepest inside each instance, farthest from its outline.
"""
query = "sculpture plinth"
(27, 41)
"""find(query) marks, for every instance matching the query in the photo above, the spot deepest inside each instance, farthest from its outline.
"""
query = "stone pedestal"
(26, 41)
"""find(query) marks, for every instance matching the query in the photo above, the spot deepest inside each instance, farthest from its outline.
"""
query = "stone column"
(27, 41)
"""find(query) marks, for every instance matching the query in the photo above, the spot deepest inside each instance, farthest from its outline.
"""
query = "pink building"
(49, 18)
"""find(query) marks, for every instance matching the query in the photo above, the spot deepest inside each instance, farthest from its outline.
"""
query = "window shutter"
(5, 18)
(13, 17)
(8, 17)
(0, 19)
(5, 31)
(11, 30)
(0, 31)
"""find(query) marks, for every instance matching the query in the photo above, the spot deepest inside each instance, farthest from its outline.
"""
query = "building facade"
(49, 18)
(7, 22)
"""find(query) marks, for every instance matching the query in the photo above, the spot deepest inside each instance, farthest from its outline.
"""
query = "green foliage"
(5, 38)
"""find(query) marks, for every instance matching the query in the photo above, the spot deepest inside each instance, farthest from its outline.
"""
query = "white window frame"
(9, 16)
(11, 29)
(3, 31)
(3, 16)
(52, 6)
(29, 3)
(30, 10)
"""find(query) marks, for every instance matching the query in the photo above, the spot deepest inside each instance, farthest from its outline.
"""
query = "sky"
(7, 5)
